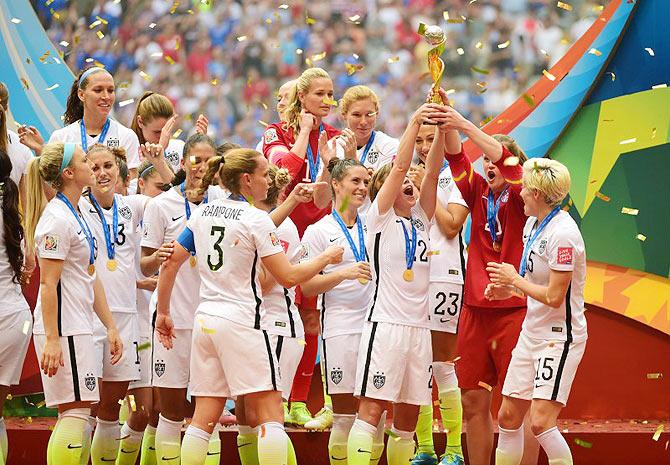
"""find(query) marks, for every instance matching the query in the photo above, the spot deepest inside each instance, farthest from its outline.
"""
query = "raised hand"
(307, 120)
(202, 124)
(167, 131)
(153, 152)
(416, 173)
(30, 137)
(348, 142)
(326, 148)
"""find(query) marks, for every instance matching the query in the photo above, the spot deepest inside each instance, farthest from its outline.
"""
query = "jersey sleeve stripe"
(378, 238)
(270, 359)
(368, 357)
(73, 367)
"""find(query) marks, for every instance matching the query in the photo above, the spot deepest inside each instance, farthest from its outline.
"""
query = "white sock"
(168, 441)
(272, 444)
(194, 447)
(445, 375)
(339, 434)
(3, 439)
(400, 449)
(105, 444)
(131, 442)
(378, 441)
(510, 446)
(213, 448)
(554, 444)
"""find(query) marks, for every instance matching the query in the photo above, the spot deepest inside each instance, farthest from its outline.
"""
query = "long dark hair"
(11, 218)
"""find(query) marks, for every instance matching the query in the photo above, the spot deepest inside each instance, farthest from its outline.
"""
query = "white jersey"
(164, 220)
(59, 237)
(230, 237)
(281, 314)
(448, 256)
(383, 149)
(559, 247)
(343, 308)
(395, 300)
(11, 297)
(118, 136)
(174, 154)
(19, 154)
(120, 284)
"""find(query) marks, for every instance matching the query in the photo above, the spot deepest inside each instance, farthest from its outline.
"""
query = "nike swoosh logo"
(175, 219)
(332, 240)
(102, 459)
(337, 458)
(70, 446)
(364, 451)
(128, 451)
(92, 210)
(170, 458)
(242, 445)
(213, 453)
(307, 374)
(152, 448)
(539, 385)
(444, 320)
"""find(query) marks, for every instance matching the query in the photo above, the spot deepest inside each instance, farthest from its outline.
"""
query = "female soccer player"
(114, 220)
(235, 238)
(164, 219)
(553, 336)
(294, 144)
(15, 314)
(69, 288)
(283, 94)
(487, 331)
(346, 292)
(10, 143)
(394, 358)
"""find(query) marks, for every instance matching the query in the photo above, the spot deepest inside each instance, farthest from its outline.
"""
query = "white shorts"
(76, 380)
(16, 330)
(340, 356)
(171, 367)
(229, 360)
(144, 353)
(128, 368)
(445, 300)
(289, 352)
(542, 369)
(395, 364)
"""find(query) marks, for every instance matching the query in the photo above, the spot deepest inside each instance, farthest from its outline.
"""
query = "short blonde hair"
(355, 94)
(549, 177)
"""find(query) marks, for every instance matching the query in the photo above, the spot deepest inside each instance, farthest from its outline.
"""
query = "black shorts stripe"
(272, 363)
(60, 316)
(280, 344)
(461, 252)
(73, 368)
(377, 243)
(153, 331)
(323, 312)
(257, 298)
(460, 310)
(325, 364)
(288, 312)
(566, 344)
(366, 370)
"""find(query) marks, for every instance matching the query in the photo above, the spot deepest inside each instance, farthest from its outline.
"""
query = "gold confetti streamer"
(330, 101)
(40, 404)
(628, 141)
(602, 196)
(268, 21)
(16, 20)
(25, 83)
(641, 237)
(214, 81)
(657, 433)
(176, 134)
(351, 69)
(485, 121)
(488, 387)
(100, 35)
(548, 75)
(595, 51)
(504, 44)
(565, 6)
(650, 51)
(123, 103)
(264, 105)
(55, 86)
(394, 59)
(585, 444)
(263, 123)
(169, 59)
(95, 24)
(102, 20)
(310, 21)
(174, 7)
(44, 56)
(597, 8)
(479, 45)
(145, 76)
(529, 100)
(9, 397)
(654, 375)
(133, 405)
(319, 56)
(630, 211)
(479, 70)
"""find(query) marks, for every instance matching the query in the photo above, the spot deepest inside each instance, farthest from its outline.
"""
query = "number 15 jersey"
(230, 238)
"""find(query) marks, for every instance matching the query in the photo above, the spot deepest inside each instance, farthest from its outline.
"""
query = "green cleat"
(450, 458)
(424, 458)
(298, 414)
(321, 421)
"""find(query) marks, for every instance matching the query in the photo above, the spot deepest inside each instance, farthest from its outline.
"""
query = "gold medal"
(193, 261)
(408, 275)
(91, 269)
(497, 246)
(363, 281)
(111, 265)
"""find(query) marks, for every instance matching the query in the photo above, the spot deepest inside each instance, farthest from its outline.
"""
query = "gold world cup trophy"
(434, 35)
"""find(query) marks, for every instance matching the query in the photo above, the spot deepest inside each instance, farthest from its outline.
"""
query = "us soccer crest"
(373, 156)
(336, 375)
(379, 379)
(159, 368)
(172, 158)
(113, 143)
(89, 381)
(443, 182)
(125, 212)
(543, 246)
(418, 224)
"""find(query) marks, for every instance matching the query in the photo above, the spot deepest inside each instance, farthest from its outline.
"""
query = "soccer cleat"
(450, 458)
(298, 414)
(423, 458)
(227, 418)
(321, 421)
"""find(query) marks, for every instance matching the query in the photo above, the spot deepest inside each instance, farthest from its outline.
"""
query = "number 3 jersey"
(559, 247)
(230, 237)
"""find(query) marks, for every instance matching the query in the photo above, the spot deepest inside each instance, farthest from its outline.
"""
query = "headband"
(68, 151)
(146, 171)
(87, 73)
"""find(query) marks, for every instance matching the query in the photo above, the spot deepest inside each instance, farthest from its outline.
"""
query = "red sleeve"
(512, 174)
(275, 136)
(468, 181)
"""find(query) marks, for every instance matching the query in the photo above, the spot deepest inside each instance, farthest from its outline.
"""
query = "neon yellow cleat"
(322, 420)
(298, 414)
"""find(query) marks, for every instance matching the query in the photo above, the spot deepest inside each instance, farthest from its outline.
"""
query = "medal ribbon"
(84, 227)
(109, 243)
(187, 207)
(359, 254)
(492, 213)
(367, 148)
(311, 162)
(101, 138)
(410, 248)
(531, 239)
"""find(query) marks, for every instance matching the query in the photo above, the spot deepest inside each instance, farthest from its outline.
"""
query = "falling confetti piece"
(64, 43)
(214, 81)
(40, 404)
(330, 101)
(44, 56)
(310, 21)
(628, 141)
(583, 443)
(565, 6)
(177, 133)
(479, 70)
(630, 211)
(504, 44)
(169, 59)
(485, 386)
(641, 237)
(123, 103)
(298, 51)
(283, 6)
(351, 69)
(486, 121)
(16, 20)
(145, 76)
(319, 56)
(659, 86)
(25, 83)
(650, 51)
(133, 405)
(460, 51)
(268, 21)
(548, 75)
(544, 52)
(529, 100)
(653, 133)
(95, 24)
(613, 76)
(26, 326)
(152, 25)
(511, 161)
(597, 8)
(144, 346)
(9, 397)
(602, 196)
(445, 15)
(393, 59)
(354, 18)
(55, 86)
(657, 433)
(100, 35)
(451, 91)
(457, 20)
(174, 7)
(479, 45)
(241, 38)
(263, 123)
(595, 51)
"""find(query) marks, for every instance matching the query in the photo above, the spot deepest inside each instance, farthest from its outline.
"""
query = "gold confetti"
(29, 420)
(602, 196)
(44, 56)
(169, 59)
(650, 51)
(55, 86)
(597, 8)
(394, 59)
(241, 38)
(174, 7)
(485, 122)
(583, 443)
(319, 56)
(102, 20)
(479, 45)
(263, 123)
(268, 21)
(485, 386)
(144, 346)
(653, 133)
(657, 433)
(264, 105)
(504, 44)
(351, 69)
(94, 24)
(565, 6)
(145, 76)
(460, 51)
(177, 133)
(208, 330)
(214, 81)
(548, 75)
(16, 20)
(511, 161)
(100, 35)
(630, 211)
(479, 70)
(457, 20)
(330, 101)
(40, 404)
(628, 141)
(445, 15)
(529, 100)
(49, 2)
(481, 84)
(9, 397)
(25, 83)
(55, 14)
(310, 21)
(544, 52)
(123, 103)
(595, 51)
(641, 237)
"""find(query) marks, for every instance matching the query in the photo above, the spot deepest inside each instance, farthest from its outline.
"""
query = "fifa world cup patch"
(565, 255)
(270, 136)
(284, 245)
(51, 242)
(274, 239)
